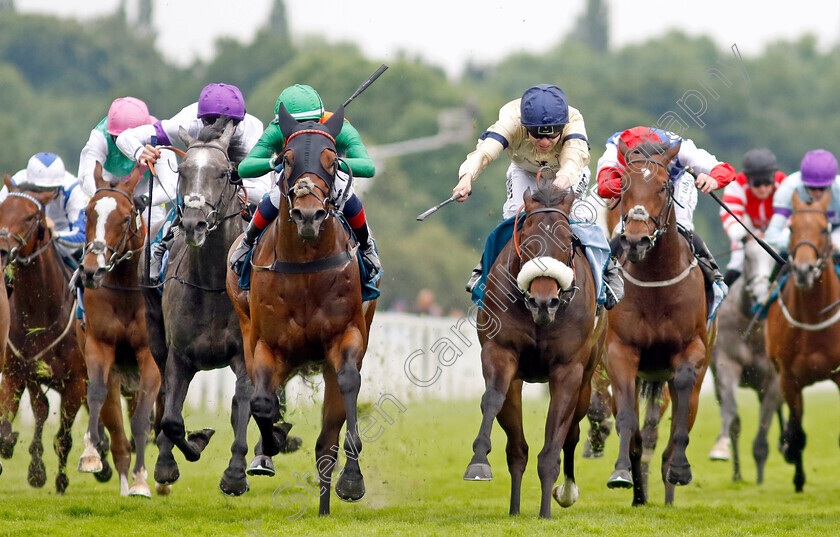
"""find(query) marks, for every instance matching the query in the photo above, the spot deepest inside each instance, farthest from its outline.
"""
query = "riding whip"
(366, 83)
(423, 216)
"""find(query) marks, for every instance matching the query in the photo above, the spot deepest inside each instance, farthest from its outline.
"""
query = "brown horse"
(538, 324)
(305, 305)
(41, 342)
(658, 332)
(115, 339)
(801, 335)
(4, 317)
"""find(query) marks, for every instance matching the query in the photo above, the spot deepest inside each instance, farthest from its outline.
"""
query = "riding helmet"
(126, 113)
(818, 168)
(45, 170)
(302, 102)
(221, 100)
(545, 107)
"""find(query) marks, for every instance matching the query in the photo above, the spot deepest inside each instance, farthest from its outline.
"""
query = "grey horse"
(740, 361)
(193, 326)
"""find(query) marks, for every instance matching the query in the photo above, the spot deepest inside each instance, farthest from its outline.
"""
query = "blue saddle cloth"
(369, 289)
(597, 251)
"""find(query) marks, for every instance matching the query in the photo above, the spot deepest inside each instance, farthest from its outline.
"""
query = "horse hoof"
(61, 483)
(90, 461)
(291, 444)
(7, 445)
(234, 486)
(261, 465)
(679, 475)
(721, 449)
(647, 455)
(104, 475)
(141, 490)
(566, 494)
(199, 440)
(589, 453)
(166, 474)
(478, 471)
(163, 490)
(37, 476)
(620, 479)
(349, 489)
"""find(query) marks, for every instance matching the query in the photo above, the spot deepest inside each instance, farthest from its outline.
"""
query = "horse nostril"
(532, 303)
(320, 215)
(296, 215)
(201, 227)
(644, 243)
(554, 303)
(622, 240)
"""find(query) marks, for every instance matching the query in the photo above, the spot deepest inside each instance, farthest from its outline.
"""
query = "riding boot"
(707, 262)
(614, 284)
(237, 259)
(730, 276)
(475, 276)
(370, 256)
(159, 249)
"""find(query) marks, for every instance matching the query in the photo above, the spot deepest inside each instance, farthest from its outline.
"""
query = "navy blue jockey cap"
(544, 106)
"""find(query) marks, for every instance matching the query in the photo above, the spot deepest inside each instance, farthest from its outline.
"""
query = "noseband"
(823, 254)
(640, 214)
(24, 240)
(195, 200)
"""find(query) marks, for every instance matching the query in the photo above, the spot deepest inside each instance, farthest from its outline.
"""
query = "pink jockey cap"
(127, 113)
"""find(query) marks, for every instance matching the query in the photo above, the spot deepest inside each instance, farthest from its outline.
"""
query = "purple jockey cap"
(818, 168)
(221, 99)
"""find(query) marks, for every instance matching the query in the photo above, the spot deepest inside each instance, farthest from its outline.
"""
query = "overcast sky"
(451, 32)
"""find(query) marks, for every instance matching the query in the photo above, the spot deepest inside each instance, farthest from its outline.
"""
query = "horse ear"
(527, 197)
(227, 134)
(672, 152)
(136, 174)
(185, 136)
(10, 186)
(335, 123)
(797, 203)
(97, 176)
(286, 122)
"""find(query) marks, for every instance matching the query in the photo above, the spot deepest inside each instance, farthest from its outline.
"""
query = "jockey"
(304, 104)
(215, 100)
(126, 113)
(817, 175)
(65, 212)
(712, 174)
(539, 131)
(750, 198)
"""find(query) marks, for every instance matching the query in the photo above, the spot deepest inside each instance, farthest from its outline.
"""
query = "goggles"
(545, 131)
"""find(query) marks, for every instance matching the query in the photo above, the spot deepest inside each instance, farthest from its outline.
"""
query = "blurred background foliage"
(59, 77)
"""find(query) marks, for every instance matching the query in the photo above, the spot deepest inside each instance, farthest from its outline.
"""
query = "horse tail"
(652, 390)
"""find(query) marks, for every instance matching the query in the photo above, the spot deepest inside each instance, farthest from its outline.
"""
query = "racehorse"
(305, 305)
(194, 304)
(4, 319)
(41, 343)
(115, 339)
(739, 361)
(538, 323)
(802, 330)
(658, 332)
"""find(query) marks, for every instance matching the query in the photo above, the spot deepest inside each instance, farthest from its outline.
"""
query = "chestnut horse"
(802, 330)
(740, 361)
(538, 323)
(305, 306)
(115, 340)
(42, 345)
(658, 333)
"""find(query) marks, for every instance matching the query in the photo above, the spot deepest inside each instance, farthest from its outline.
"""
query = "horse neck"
(664, 257)
(44, 278)
(290, 247)
(806, 304)
(206, 265)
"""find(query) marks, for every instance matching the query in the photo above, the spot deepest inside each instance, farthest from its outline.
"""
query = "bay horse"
(740, 359)
(115, 340)
(194, 304)
(538, 323)
(658, 333)
(4, 317)
(305, 306)
(41, 343)
(802, 331)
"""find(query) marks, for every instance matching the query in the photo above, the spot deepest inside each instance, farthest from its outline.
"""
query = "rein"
(119, 253)
(24, 240)
(55, 342)
(639, 213)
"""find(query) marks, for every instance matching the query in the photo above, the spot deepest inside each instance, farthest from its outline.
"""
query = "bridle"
(23, 240)
(640, 214)
(197, 200)
(298, 189)
(823, 254)
(118, 252)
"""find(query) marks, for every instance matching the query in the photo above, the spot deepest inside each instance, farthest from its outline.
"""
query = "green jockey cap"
(302, 102)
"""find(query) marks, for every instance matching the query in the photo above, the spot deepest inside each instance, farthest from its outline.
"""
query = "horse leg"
(794, 436)
(510, 418)
(234, 482)
(600, 423)
(655, 404)
(179, 374)
(564, 385)
(499, 366)
(678, 470)
(622, 366)
(111, 416)
(99, 358)
(726, 376)
(141, 422)
(770, 396)
(326, 446)
(568, 493)
(71, 401)
(267, 374)
(350, 486)
(37, 475)
(11, 390)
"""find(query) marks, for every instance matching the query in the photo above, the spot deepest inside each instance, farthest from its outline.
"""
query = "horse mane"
(212, 132)
(548, 194)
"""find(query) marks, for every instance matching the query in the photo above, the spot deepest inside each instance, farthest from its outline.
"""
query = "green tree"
(592, 27)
